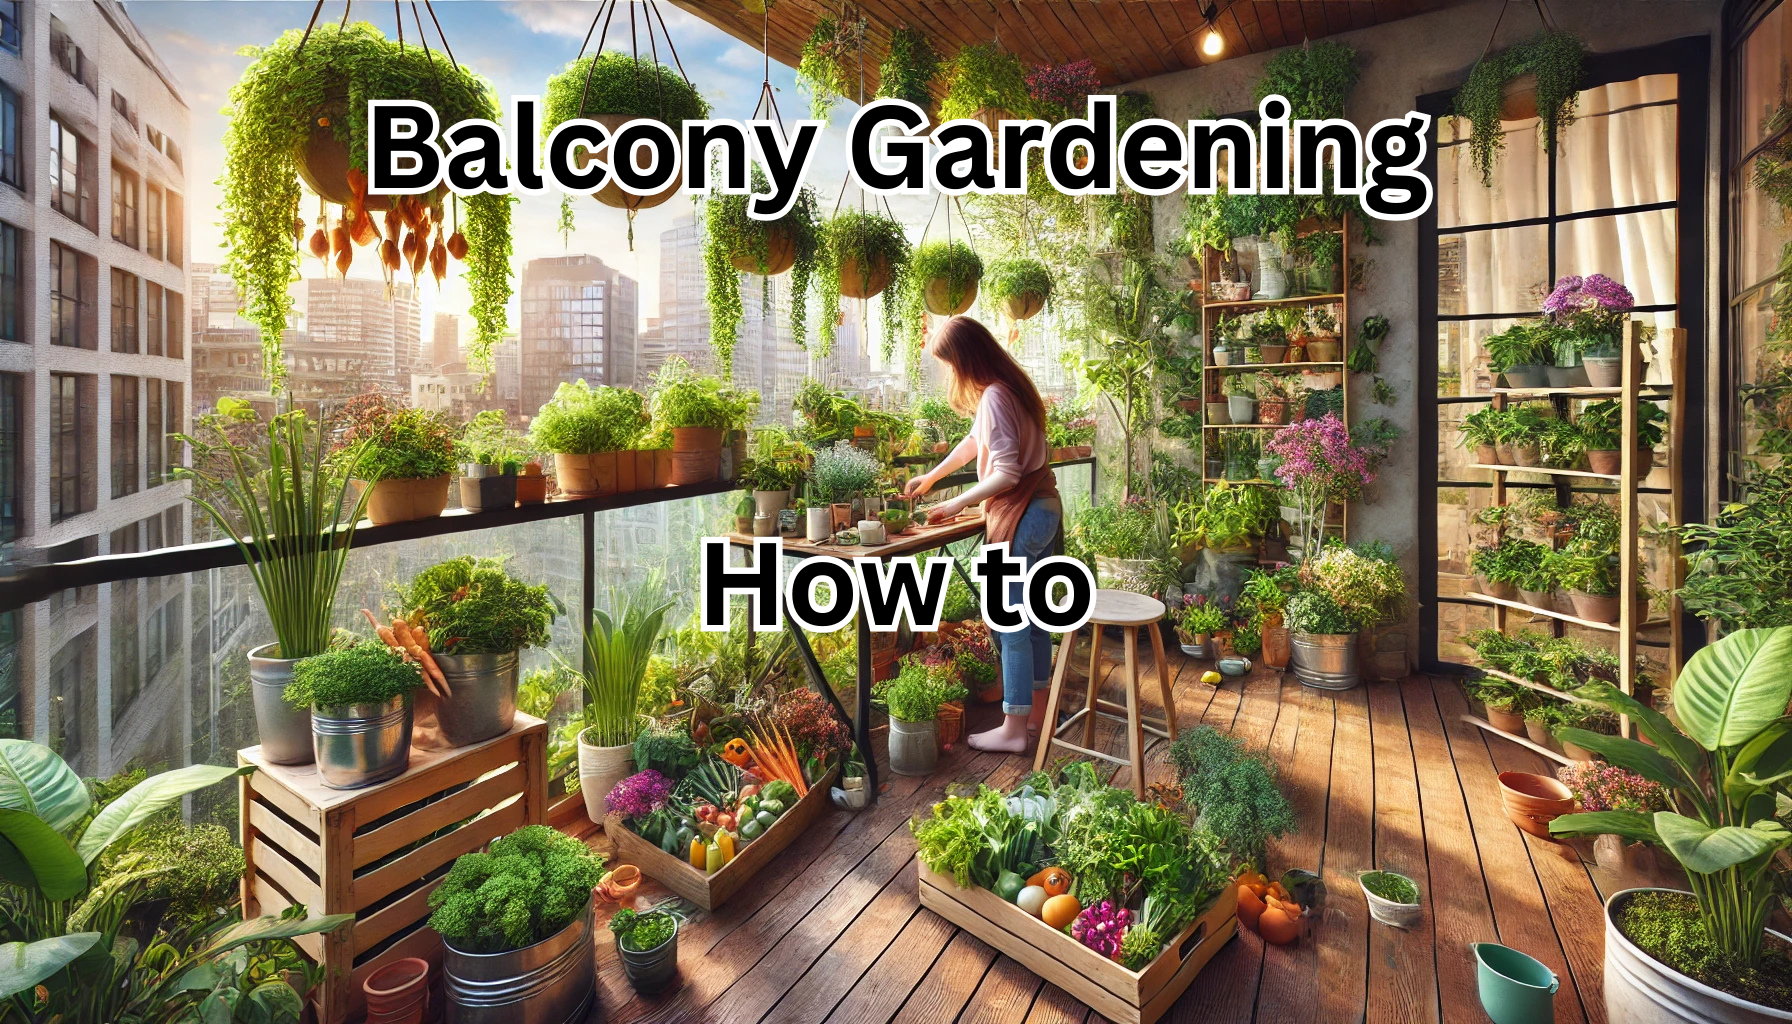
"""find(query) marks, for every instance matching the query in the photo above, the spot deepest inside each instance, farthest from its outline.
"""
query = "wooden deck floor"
(1386, 776)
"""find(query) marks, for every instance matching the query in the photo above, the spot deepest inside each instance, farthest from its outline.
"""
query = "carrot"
(432, 673)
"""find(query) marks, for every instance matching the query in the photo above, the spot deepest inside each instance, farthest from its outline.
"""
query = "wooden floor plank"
(949, 983)
(1053, 1005)
(1344, 938)
(1402, 961)
(831, 976)
(893, 975)
(1460, 913)
(1289, 986)
(1005, 996)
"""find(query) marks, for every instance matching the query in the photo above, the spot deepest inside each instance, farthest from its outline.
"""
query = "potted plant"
(1723, 772)
(864, 254)
(1393, 897)
(1322, 346)
(1324, 635)
(517, 928)
(1535, 579)
(909, 68)
(1275, 393)
(1601, 786)
(613, 88)
(985, 82)
(478, 619)
(1539, 78)
(1241, 398)
(404, 458)
(841, 474)
(1222, 352)
(490, 455)
(1265, 593)
(531, 484)
(777, 461)
(1522, 353)
(618, 645)
(1520, 434)
(287, 509)
(699, 411)
(913, 700)
(359, 696)
(824, 67)
(593, 433)
(647, 944)
(299, 115)
(1600, 426)
(1590, 572)
(1020, 286)
(1589, 314)
(946, 275)
(1196, 623)
(1324, 253)
(1506, 705)
(735, 244)
(1271, 339)
(1320, 466)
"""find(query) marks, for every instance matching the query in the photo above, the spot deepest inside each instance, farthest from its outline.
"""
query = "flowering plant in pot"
(1723, 768)
(1593, 311)
(404, 457)
(491, 455)
(594, 433)
(1319, 465)
(1601, 428)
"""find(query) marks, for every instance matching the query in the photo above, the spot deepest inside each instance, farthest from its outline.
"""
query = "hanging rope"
(606, 12)
(398, 16)
(308, 25)
(443, 36)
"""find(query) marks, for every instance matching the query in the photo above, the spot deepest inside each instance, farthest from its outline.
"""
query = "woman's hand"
(945, 510)
(918, 486)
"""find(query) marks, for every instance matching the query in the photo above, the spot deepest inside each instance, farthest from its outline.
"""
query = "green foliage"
(825, 67)
(619, 643)
(1525, 343)
(1601, 425)
(684, 398)
(273, 107)
(917, 692)
(1556, 58)
(866, 238)
(729, 235)
(1739, 571)
(529, 885)
(1667, 926)
(1315, 79)
(583, 420)
(1126, 529)
(473, 606)
(395, 442)
(840, 472)
(953, 262)
(1230, 516)
(613, 82)
(775, 461)
(639, 933)
(984, 77)
(1234, 792)
(909, 69)
(202, 867)
(1394, 888)
(285, 506)
(668, 750)
(487, 440)
(1312, 611)
(367, 673)
(1017, 275)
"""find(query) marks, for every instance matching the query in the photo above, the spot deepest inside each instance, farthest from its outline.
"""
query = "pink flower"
(1065, 86)
(1318, 453)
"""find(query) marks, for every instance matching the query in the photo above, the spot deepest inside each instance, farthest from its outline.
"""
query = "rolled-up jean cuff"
(1039, 686)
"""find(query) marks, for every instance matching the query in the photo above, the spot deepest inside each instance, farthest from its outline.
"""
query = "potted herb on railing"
(593, 433)
(478, 619)
(1709, 950)
(699, 411)
(517, 924)
(1020, 286)
(618, 644)
(359, 696)
(864, 254)
(491, 455)
(613, 88)
(404, 458)
(287, 508)
(735, 244)
(914, 699)
(1601, 429)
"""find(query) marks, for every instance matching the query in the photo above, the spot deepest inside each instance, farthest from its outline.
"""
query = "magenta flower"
(1065, 86)
(1318, 454)
(1603, 787)
(640, 794)
(1101, 927)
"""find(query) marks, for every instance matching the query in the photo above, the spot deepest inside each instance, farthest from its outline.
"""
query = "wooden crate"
(1120, 995)
(710, 890)
(379, 852)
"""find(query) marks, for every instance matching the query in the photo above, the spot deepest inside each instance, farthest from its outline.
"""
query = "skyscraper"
(444, 341)
(578, 322)
(379, 325)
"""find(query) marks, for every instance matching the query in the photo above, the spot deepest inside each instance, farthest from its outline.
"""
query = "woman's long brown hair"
(974, 361)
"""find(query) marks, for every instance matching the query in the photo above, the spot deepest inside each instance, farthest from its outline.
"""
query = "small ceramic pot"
(765, 525)
(1533, 801)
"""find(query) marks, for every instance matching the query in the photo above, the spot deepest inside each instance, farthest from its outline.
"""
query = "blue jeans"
(1027, 652)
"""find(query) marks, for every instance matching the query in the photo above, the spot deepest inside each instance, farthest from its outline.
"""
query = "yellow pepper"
(713, 856)
(725, 843)
(699, 856)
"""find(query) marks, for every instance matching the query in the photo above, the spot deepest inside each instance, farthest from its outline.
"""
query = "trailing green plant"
(487, 440)
(281, 97)
(389, 441)
(984, 77)
(731, 236)
(525, 888)
(1601, 425)
(613, 82)
(583, 420)
(1724, 769)
(472, 605)
(953, 262)
(909, 68)
(682, 397)
(1315, 79)
(1739, 566)
(867, 239)
(361, 673)
(776, 460)
(286, 507)
(824, 69)
(1017, 275)
(1234, 793)
(619, 642)
(1556, 59)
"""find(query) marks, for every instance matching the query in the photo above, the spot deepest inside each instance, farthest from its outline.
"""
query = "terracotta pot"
(1271, 354)
(1487, 455)
(697, 439)
(586, 476)
(531, 486)
(1578, 753)
(857, 282)
(695, 467)
(1503, 451)
(662, 466)
(1506, 721)
(937, 295)
(612, 194)
(1606, 462)
(1272, 410)
(1527, 454)
(1533, 801)
(1278, 646)
(1540, 734)
(628, 474)
(401, 501)
(840, 513)
(1518, 98)
(323, 163)
(780, 254)
(1500, 589)
(951, 724)
(1023, 305)
(397, 992)
(1594, 608)
(883, 665)
(1323, 350)
(619, 884)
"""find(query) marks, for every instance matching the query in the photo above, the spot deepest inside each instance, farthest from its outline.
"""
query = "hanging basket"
(864, 282)
(1518, 98)
(938, 293)
(780, 254)
(1023, 305)
(323, 165)
(612, 194)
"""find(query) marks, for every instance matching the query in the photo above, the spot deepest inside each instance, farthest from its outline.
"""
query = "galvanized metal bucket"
(361, 744)
(651, 970)
(914, 747)
(1326, 661)
(284, 733)
(551, 982)
(483, 704)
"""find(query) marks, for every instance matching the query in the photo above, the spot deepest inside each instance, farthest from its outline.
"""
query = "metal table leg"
(862, 723)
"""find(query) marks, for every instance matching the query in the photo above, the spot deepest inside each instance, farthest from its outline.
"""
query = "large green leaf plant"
(68, 951)
(1727, 768)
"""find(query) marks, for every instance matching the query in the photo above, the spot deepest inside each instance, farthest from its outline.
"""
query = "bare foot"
(1009, 737)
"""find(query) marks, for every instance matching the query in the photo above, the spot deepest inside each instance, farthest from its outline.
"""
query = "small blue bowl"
(1233, 666)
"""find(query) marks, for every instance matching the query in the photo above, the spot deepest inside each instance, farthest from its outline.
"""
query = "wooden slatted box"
(379, 852)
(1120, 995)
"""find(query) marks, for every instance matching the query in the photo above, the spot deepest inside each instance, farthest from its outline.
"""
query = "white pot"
(770, 503)
(1640, 989)
(1396, 915)
(821, 524)
(600, 769)
(1272, 279)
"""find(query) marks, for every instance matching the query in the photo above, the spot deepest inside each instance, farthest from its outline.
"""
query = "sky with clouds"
(516, 46)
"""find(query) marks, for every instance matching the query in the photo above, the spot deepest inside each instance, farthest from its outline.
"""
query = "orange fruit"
(1249, 906)
(1277, 928)
(1060, 910)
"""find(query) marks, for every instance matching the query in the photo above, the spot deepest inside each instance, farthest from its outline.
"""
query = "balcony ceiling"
(1127, 39)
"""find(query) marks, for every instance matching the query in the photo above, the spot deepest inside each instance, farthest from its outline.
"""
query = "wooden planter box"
(710, 890)
(1120, 995)
(346, 851)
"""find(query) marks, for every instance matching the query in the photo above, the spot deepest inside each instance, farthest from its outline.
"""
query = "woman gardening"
(1019, 494)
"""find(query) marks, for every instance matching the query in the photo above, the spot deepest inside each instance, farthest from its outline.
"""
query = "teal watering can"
(1515, 988)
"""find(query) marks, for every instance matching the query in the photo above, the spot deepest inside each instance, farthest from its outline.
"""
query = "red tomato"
(707, 812)
(725, 820)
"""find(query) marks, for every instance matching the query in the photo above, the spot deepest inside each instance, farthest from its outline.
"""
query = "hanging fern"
(827, 58)
(865, 236)
(1556, 58)
(730, 233)
(909, 70)
(984, 77)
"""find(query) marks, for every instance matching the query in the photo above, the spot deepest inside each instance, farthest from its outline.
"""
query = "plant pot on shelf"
(770, 502)
(1272, 410)
(487, 488)
(1529, 455)
(397, 992)
(1603, 371)
(1326, 661)
(1595, 607)
(650, 970)
(840, 515)
(1503, 454)
(1566, 376)
(696, 455)
(401, 501)
(1575, 752)
(600, 769)
(1501, 589)
(914, 747)
(483, 704)
(283, 731)
(1539, 733)
(765, 524)
(531, 485)
(1323, 350)
(1607, 462)
(1527, 375)
(551, 981)
(1487, 455)
(1643, 990)
(1273, 354)
(819, 524)
(1241, 409)
(1222, 356)
(1272, 276)
(360, 745)
(1219, 413)
(1537, 598)
(1508, 722)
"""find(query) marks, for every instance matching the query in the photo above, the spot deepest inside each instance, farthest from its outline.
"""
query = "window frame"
(126, 428)
(127, 303)
(126, 186)
(12, 145)
(65, 456)
(61, 259)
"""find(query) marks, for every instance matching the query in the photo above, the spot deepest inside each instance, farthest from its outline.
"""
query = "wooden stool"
(1129, 611)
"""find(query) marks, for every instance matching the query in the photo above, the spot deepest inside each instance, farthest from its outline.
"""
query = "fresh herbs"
(1235, 793)
(390, 441)
(1391, 887)
(619, 642)
(473, 606)
(525, 888)
(840, 472)
(684, 398)
(583, 420)
(365, 673)
(917, 692)
(639, 933)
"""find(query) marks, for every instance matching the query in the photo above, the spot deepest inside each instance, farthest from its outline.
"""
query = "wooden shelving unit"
(1631, 393)
(1524, 741)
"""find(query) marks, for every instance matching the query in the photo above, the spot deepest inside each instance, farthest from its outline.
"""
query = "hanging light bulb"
(1212, 44)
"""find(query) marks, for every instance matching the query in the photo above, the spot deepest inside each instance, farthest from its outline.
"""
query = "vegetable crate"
(711, 889)
(379, 852)
(1120, 995)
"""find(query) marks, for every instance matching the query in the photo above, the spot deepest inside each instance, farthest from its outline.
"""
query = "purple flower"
(1065, 86)
(1594, 293)
(640, 794)
(1318, 453)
